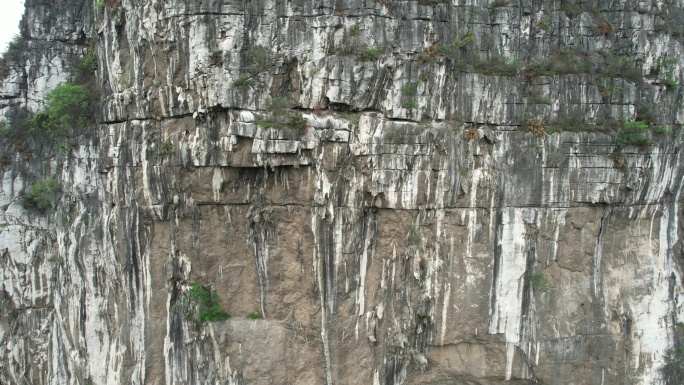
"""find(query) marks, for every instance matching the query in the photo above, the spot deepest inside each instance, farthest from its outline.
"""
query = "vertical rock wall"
(412, 231)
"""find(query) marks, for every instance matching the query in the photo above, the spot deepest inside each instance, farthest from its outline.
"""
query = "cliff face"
(409, 192)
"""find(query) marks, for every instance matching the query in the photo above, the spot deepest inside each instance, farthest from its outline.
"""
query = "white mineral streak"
(505, 316)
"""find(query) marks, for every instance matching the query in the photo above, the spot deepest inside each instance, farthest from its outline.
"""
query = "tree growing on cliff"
(68, 108)
(41, 195)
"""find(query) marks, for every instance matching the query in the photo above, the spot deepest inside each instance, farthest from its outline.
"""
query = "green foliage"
(540, 100)
(351, 117)
(41, 195)
(282, 115)
(621, 66)
(166, 148)
(498, 4)
(409, 104)
(298, 122)
(606, 90)
(536, 69)
(9, 131)
(496, 66)
(370, 53)
(126, 80)
(100, 6)
(354, 30)
(463, 171)
(88, 62)
(662, 129)
(571, 10)
(266, 124)
(569, 124)
(85, 218)
(414, 237)
(543, 25)
(633, 134)
(408, 89)
(242, 81)
(206, 305)
(67, 108)
(454, 48)
(255, 315)
(279, 104)
(670, 82)
(644, 113)
(258, 60)
(13, 54)
(216, 58)
(539, 281)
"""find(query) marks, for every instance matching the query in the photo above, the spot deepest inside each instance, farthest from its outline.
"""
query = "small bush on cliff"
(370, 53)
(539, 281)
(298, 122)
(68, 108)
(633, 134)
(41, 195)
(206, 305)
(414, 237)
(255, 315)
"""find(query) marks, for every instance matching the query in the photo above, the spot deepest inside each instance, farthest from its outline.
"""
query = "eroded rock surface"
(361, 173)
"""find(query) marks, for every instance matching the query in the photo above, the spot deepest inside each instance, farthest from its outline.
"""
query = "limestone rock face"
(409, 192)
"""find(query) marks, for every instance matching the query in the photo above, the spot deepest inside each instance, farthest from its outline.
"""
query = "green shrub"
(100, 6)
(633, 134)
(539, 69)
(408, 89)
(539, 281)
(266, 124)
(670, 82)
(41, 194)
(409, 104)
(258, 60)
(543, 25)
(414, 237)
(206, 305)
(298, 122)
(454, 48)
(570, 124)
(370, 53)
(278, 104)
(498, 4)
(167, 149)
(496, 66)
(255, 315)
(540, 100)
(242, 81)
(216, 58)
(571, 10)
(351, 117)
(67, 108)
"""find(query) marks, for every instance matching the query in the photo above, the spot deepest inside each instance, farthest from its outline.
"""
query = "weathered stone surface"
(411, 233)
